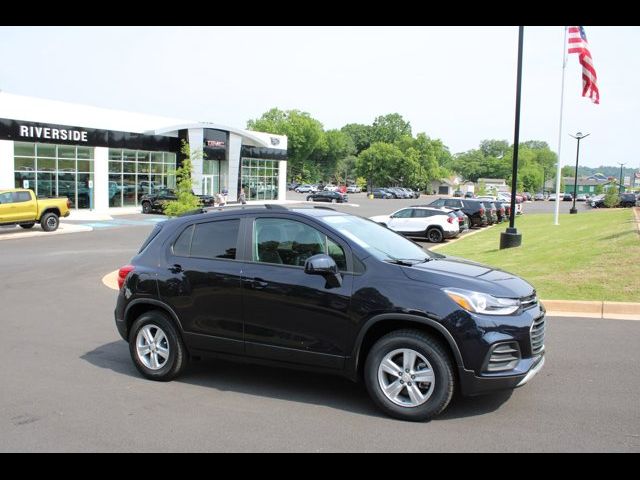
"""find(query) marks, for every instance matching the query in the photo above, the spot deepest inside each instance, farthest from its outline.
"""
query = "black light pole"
(620, 187)
(578, 136)
(511, 238)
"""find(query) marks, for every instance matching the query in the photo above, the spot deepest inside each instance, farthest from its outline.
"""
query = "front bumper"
(471, 384)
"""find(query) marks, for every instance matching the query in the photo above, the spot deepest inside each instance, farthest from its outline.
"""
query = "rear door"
(26, 206)
(202, 284)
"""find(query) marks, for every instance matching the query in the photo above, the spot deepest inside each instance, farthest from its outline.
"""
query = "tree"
(185, 199)
(599, 189)
(305, 134)
(389, 128)
(360, 135)
(495, 148)
(568, 171)
(346, 169)
(380, 163)
(611, 198)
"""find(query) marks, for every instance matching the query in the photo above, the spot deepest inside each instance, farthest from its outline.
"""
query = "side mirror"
(324, 265)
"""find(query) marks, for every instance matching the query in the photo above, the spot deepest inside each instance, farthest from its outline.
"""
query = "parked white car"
(434, 224)
(353, 189)
(306, 188)
(330, 188)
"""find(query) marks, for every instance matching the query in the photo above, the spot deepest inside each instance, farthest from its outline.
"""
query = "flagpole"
(559, 171)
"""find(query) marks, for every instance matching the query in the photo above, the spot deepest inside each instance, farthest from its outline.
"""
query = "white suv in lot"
(434, 224)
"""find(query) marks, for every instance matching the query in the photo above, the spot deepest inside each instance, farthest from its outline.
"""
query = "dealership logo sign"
(275, 141)
(50, 133)
(215, 143)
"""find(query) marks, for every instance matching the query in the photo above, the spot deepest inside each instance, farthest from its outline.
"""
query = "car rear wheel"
(409, 375)
(146, 207)
(49, 222)
(435, 235)
(156, 348)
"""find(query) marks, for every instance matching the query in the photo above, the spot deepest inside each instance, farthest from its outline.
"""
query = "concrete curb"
(586, 309)
(460, 237)
(18, 233)
(636, 213)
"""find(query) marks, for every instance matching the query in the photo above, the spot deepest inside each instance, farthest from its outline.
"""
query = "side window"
(21, 197)
(406, 213)
(451, 203)
(6, 198)
(183, 243)
(215, 239)
(288, 242)
(419, 213)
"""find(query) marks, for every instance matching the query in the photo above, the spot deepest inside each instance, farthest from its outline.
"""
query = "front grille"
(528, 302)
(537, 336)
(503, 356)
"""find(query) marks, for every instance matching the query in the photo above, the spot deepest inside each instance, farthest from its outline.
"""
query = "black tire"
(27, 226)
(435, 354)
(309, 199)
(178, 356)
(146, 207)
(434, 235)
(49, 222)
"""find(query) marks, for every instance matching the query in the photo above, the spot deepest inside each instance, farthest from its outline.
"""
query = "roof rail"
(274, 206)
(321, 207)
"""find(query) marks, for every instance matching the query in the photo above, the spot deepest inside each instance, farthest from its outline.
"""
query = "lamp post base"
(511, 238)
(573, 210)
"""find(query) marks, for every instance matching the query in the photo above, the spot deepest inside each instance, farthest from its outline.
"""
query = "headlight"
(482, 303)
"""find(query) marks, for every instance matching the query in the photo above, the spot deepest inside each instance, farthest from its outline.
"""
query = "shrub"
(186, 200)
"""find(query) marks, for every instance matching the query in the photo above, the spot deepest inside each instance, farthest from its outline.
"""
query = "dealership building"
(101, 158)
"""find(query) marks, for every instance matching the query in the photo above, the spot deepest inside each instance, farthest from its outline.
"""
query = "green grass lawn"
(589, 256)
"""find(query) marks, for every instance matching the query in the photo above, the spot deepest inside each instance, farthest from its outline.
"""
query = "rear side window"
(19, 197)
(452, 203)
(422, 213)
(6, 198)
(209, 240)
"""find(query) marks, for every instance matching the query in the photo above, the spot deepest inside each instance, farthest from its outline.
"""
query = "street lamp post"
(620, 186)
(578, 136)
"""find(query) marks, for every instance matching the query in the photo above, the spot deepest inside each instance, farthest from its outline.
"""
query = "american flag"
(578, 44)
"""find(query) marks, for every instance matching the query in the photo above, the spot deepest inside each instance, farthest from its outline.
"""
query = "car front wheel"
(146, 207)
(409, 375)
(156, 348)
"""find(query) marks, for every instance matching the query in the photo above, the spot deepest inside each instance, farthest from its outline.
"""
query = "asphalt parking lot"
(68, 383)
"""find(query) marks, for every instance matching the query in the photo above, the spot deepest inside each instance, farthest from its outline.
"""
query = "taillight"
(502, 211)
(122, 274)
(68, 203)
(460, 220)
(481, 211)
(449, 219)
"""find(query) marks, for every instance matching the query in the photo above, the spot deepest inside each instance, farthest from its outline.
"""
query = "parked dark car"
(567, 197)
(627, 200)
(463, 219)
(476, 211)
(468, 195)
(382, 193)
(156, 201)
(501, 210)
(330, 292)
(326, 196)
(457, 193)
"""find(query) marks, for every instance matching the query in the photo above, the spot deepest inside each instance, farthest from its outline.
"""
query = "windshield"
(379, 241)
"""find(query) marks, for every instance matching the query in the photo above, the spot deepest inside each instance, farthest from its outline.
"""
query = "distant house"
(598, 177)
(586, 185)
(498, 184)
(447, 186)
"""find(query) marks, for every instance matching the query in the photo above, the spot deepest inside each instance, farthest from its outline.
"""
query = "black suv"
(157, 200)
(327, 291)
(479, 214)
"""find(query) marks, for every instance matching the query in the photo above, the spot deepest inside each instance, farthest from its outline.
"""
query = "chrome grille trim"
(537, 335)
(528, 302)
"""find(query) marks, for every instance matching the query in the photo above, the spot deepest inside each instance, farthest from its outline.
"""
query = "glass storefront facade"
(259, 178)
(133, 173)
(55, 170)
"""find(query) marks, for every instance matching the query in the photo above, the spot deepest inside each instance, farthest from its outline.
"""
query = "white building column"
(235, 147)
(6, 164)
(101, 179)
(196, 146)
(282, 180)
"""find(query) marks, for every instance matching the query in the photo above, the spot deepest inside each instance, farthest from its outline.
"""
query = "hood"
(380, 218)
(461, 273)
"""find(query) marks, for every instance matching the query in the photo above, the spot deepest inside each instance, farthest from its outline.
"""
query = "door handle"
(256, 283)
(175, 268)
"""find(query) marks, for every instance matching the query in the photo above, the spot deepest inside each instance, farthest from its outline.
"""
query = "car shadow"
(284, 384)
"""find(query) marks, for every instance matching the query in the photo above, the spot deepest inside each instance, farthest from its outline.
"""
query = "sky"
(454, 83)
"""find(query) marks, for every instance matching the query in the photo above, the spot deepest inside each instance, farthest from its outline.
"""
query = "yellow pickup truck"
(22, 207)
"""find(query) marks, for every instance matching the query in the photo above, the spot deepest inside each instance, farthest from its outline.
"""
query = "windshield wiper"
(407, 262)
